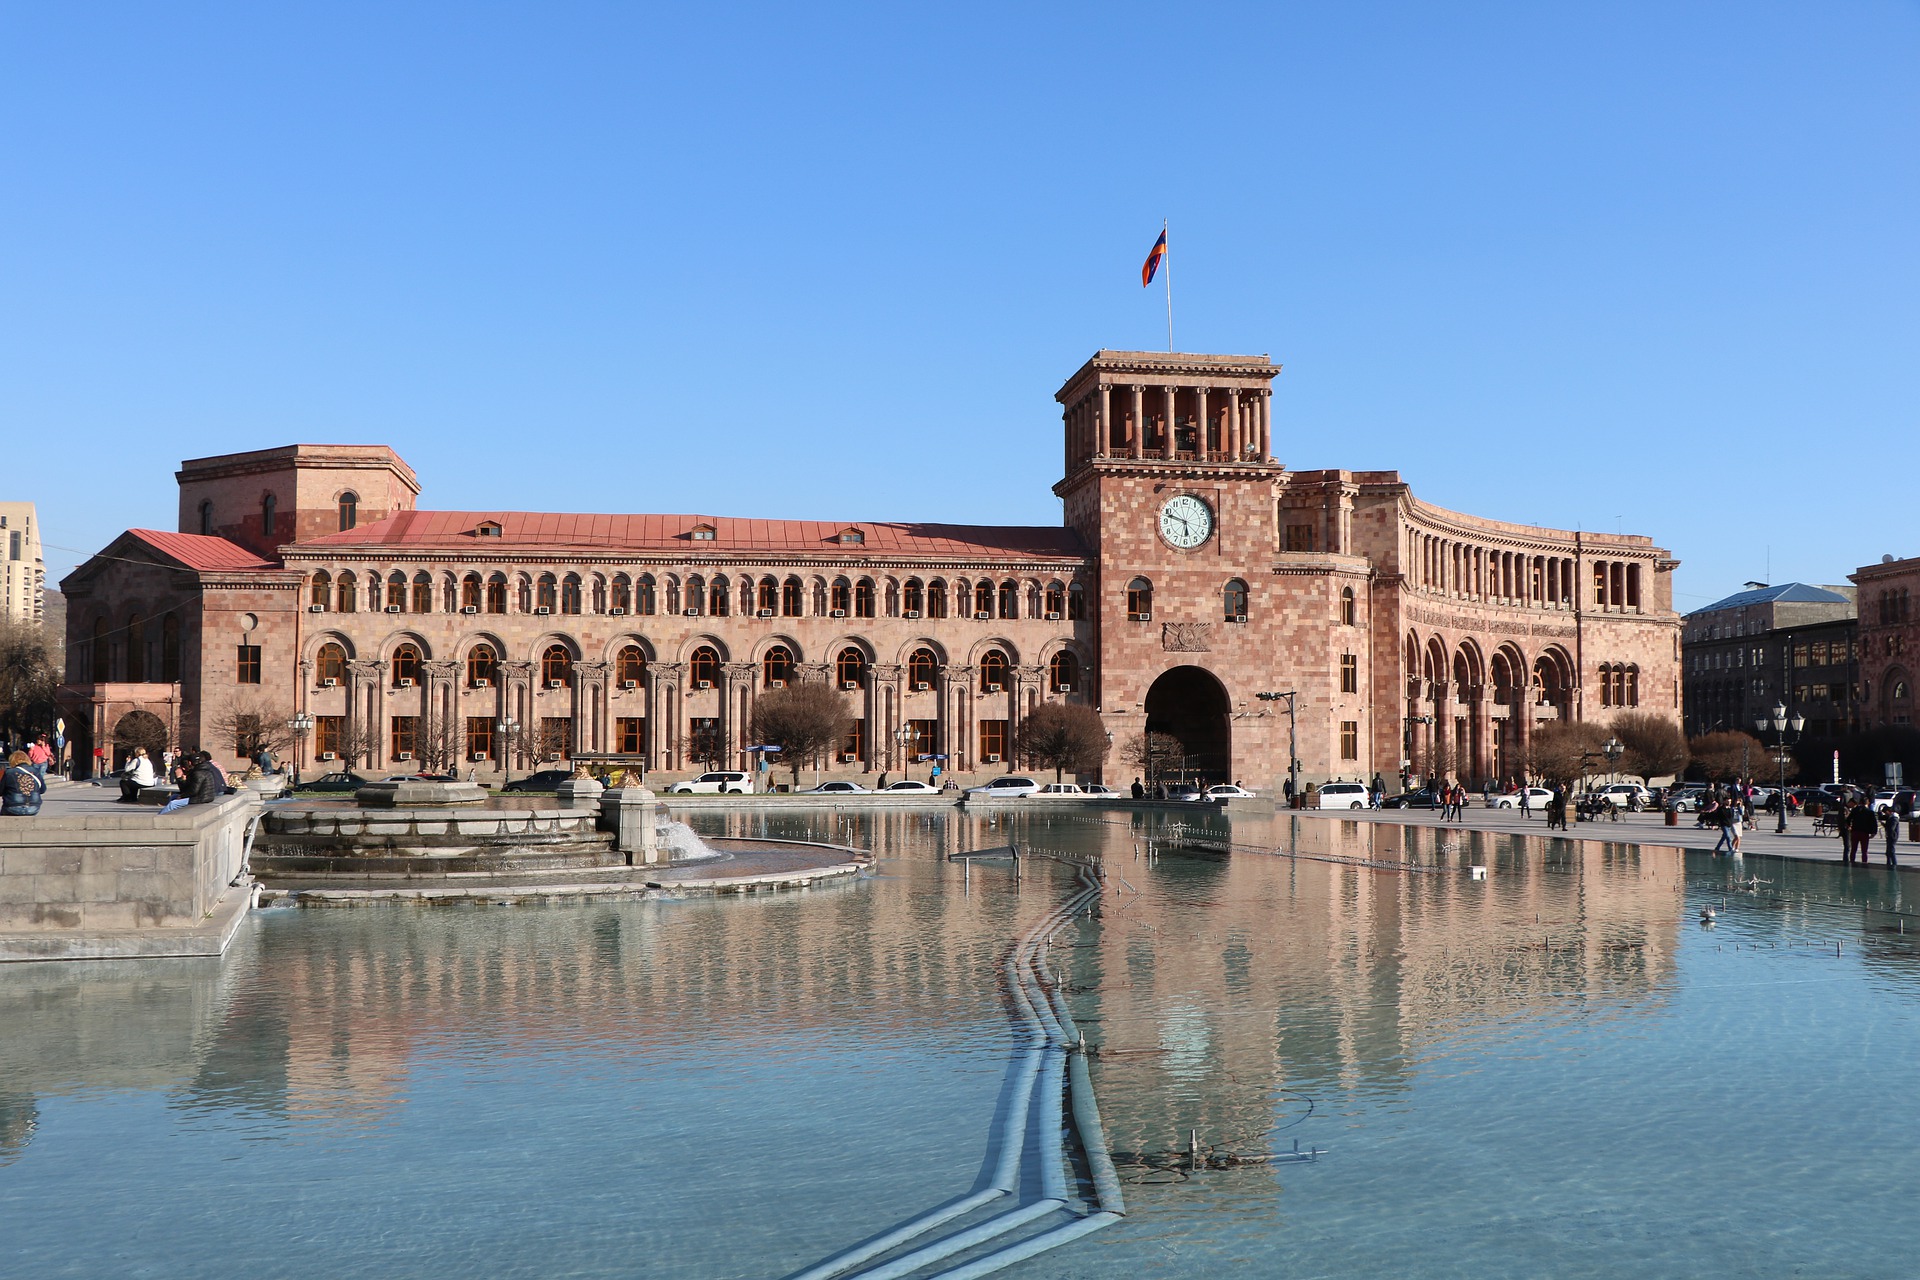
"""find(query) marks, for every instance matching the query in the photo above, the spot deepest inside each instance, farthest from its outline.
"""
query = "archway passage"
(139, 729)
(1190, 704)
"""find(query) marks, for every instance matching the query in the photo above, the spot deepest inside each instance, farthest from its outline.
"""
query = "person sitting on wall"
(205, 782)
(138, 773)
(20, 787)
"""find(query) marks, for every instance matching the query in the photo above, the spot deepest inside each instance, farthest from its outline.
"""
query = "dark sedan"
(1424, 798)
(545, 780)
(333, 782)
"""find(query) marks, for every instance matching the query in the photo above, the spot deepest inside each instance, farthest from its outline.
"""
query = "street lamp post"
(903, 735)
(1786, 732)
(1293, 753)
(506, 725)
(302, 725)
(1614, 750)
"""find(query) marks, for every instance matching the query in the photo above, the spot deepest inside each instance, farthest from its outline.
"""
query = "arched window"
(321, 590)
(599, 594)
(423, 592)
(570, 594)
(777, 667)
(922, 666)
(1009, 599)
(406, 666)
(136, 650)
(330, 664)
(1606, 685)
(1056, 602)
(523, 590)
(556, 666)
(850, 668)
(769, 597)
(1063, 672)
(349, 510)
(913, 599)
(630, 665)
(547, 595)
(1346, 607)
(497, 593)
(863, 598)
(993, 671)
(102, 649)
(268, 510)
(1139, 600)
(622, 596)
(643, 598)
(471, 591)
(790, 596)
(1234, 600)
(718, 603)
(206, 519)
(483, 666)
(1036, 607)
(348, 591)
(893, 598)
(671, 590)
(983, 599)
(397, 591)
(1076, 603)
(703, 669)
(1633, 687)
(840, 599)
(170, 649)
(936, 599)
(696, 595)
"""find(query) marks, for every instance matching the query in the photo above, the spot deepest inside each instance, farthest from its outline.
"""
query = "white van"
(1343, 795)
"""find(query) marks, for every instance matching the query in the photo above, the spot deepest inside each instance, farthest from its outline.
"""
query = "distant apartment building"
(23, 573)
(1794, 643)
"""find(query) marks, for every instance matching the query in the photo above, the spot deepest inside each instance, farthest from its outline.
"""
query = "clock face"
(1186, 522)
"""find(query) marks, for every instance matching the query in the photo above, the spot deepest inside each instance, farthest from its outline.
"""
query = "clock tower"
(1171, 482)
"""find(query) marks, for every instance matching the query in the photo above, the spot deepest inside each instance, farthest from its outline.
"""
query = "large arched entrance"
(139, 729)
(1190, 704)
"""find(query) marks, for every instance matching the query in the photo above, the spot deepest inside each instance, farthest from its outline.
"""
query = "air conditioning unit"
(921, 686)
(403, 683)
(553, 755)
(617, 610)
(992, 759)
(848, 757)
(403, 755)
(469, 609)
(691, 613)
(326, 755)
(316, 608)
(329, 683)
(1053, 617)
(910, 613)
(1064, 688)
(1238, 617)
(479, 755)
(629, 684)
(837, 613)
(542, 610)
(983, 616)
(482, 682)
(393, 608)
(1145, 617)
(849, 684)
(776, 684)
(991, 688)
(556, 684)
(764, 613)
(703, 684)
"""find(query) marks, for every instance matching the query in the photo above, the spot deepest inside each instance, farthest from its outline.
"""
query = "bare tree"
(1155, 755)
(27, 679)
(803, 720)
(1061, 736)
(1561, 751)
(250, 722)
(1655, 746)
(360, 742)
(704, 742)
(441, 746)
(1728, 754)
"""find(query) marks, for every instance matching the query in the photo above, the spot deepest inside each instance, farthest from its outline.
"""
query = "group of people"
(1858, 823)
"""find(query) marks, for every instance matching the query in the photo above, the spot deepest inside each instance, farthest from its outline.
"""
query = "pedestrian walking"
(1724, 815)
(1890, 822)
(1861, 824)
(39, 755)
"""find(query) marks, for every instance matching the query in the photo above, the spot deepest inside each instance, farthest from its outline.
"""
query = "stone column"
(956, 691)
(443, 739)
(1103, 422)
(1137, 438)
(365, 722)
(664, 680)
(1168, 442)
(884, 685)
(1232, 441)
(1200, 424)
(516, 700)
(590, 706)
(1265, 427)
(736, 705)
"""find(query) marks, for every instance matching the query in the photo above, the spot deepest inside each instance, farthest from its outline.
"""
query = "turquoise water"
(1557, 1070)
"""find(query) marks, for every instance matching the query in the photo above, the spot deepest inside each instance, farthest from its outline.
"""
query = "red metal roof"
(455, 531)
(197, 551)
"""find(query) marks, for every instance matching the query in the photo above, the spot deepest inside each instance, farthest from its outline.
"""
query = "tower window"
(1139, 600)
(349, 510)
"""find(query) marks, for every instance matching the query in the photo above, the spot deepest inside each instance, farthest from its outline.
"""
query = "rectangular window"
(1821, 692)
(1800, 693)
(1300, 537)
(13, 542)
(856, 743)
(403, 738)
(556, 737)
(248, 668)
(1817, 653)
(1799, 655)
(993, 741)
(924, 736)
(1349, 739)
(330, 735)
(629, 732)
(479, 737)
(1349, 675)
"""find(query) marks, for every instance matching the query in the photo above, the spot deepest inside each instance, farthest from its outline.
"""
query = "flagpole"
(1168, 264)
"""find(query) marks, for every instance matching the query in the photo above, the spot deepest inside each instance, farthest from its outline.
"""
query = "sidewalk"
(1644, 828)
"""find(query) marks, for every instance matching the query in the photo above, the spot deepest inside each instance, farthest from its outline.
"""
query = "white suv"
(724, 782)
(1621, 795)
(1006, 788)
(1343, 795)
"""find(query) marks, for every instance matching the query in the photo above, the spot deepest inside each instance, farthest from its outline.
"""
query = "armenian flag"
(1152, 264)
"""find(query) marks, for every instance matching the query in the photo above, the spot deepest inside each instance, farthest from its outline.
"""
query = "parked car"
(1536, 798)
(1062, 789)
(907, 786)
(338, 781)
(545, 780)
(1627, 795)
(837, 789)
(1005, 788)
(719, 782)
(1228, 791)
(1424, 798)
(1186, 792)
(1100, 789)
(1686, 797)
(1343, 795)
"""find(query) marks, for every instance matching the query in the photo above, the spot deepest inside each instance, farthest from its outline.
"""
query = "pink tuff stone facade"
(1406, 635)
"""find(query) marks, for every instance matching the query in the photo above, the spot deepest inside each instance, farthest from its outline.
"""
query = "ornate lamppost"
(302, 725)
(1786, 732)
(506, 725)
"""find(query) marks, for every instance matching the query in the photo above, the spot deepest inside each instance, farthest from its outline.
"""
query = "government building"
(1192, 578)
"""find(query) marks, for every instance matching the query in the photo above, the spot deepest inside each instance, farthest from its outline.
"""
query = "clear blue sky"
(1640, 266)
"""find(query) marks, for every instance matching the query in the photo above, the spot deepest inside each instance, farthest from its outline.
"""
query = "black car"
(333, 782)
(545, 780)
(1424, 798)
